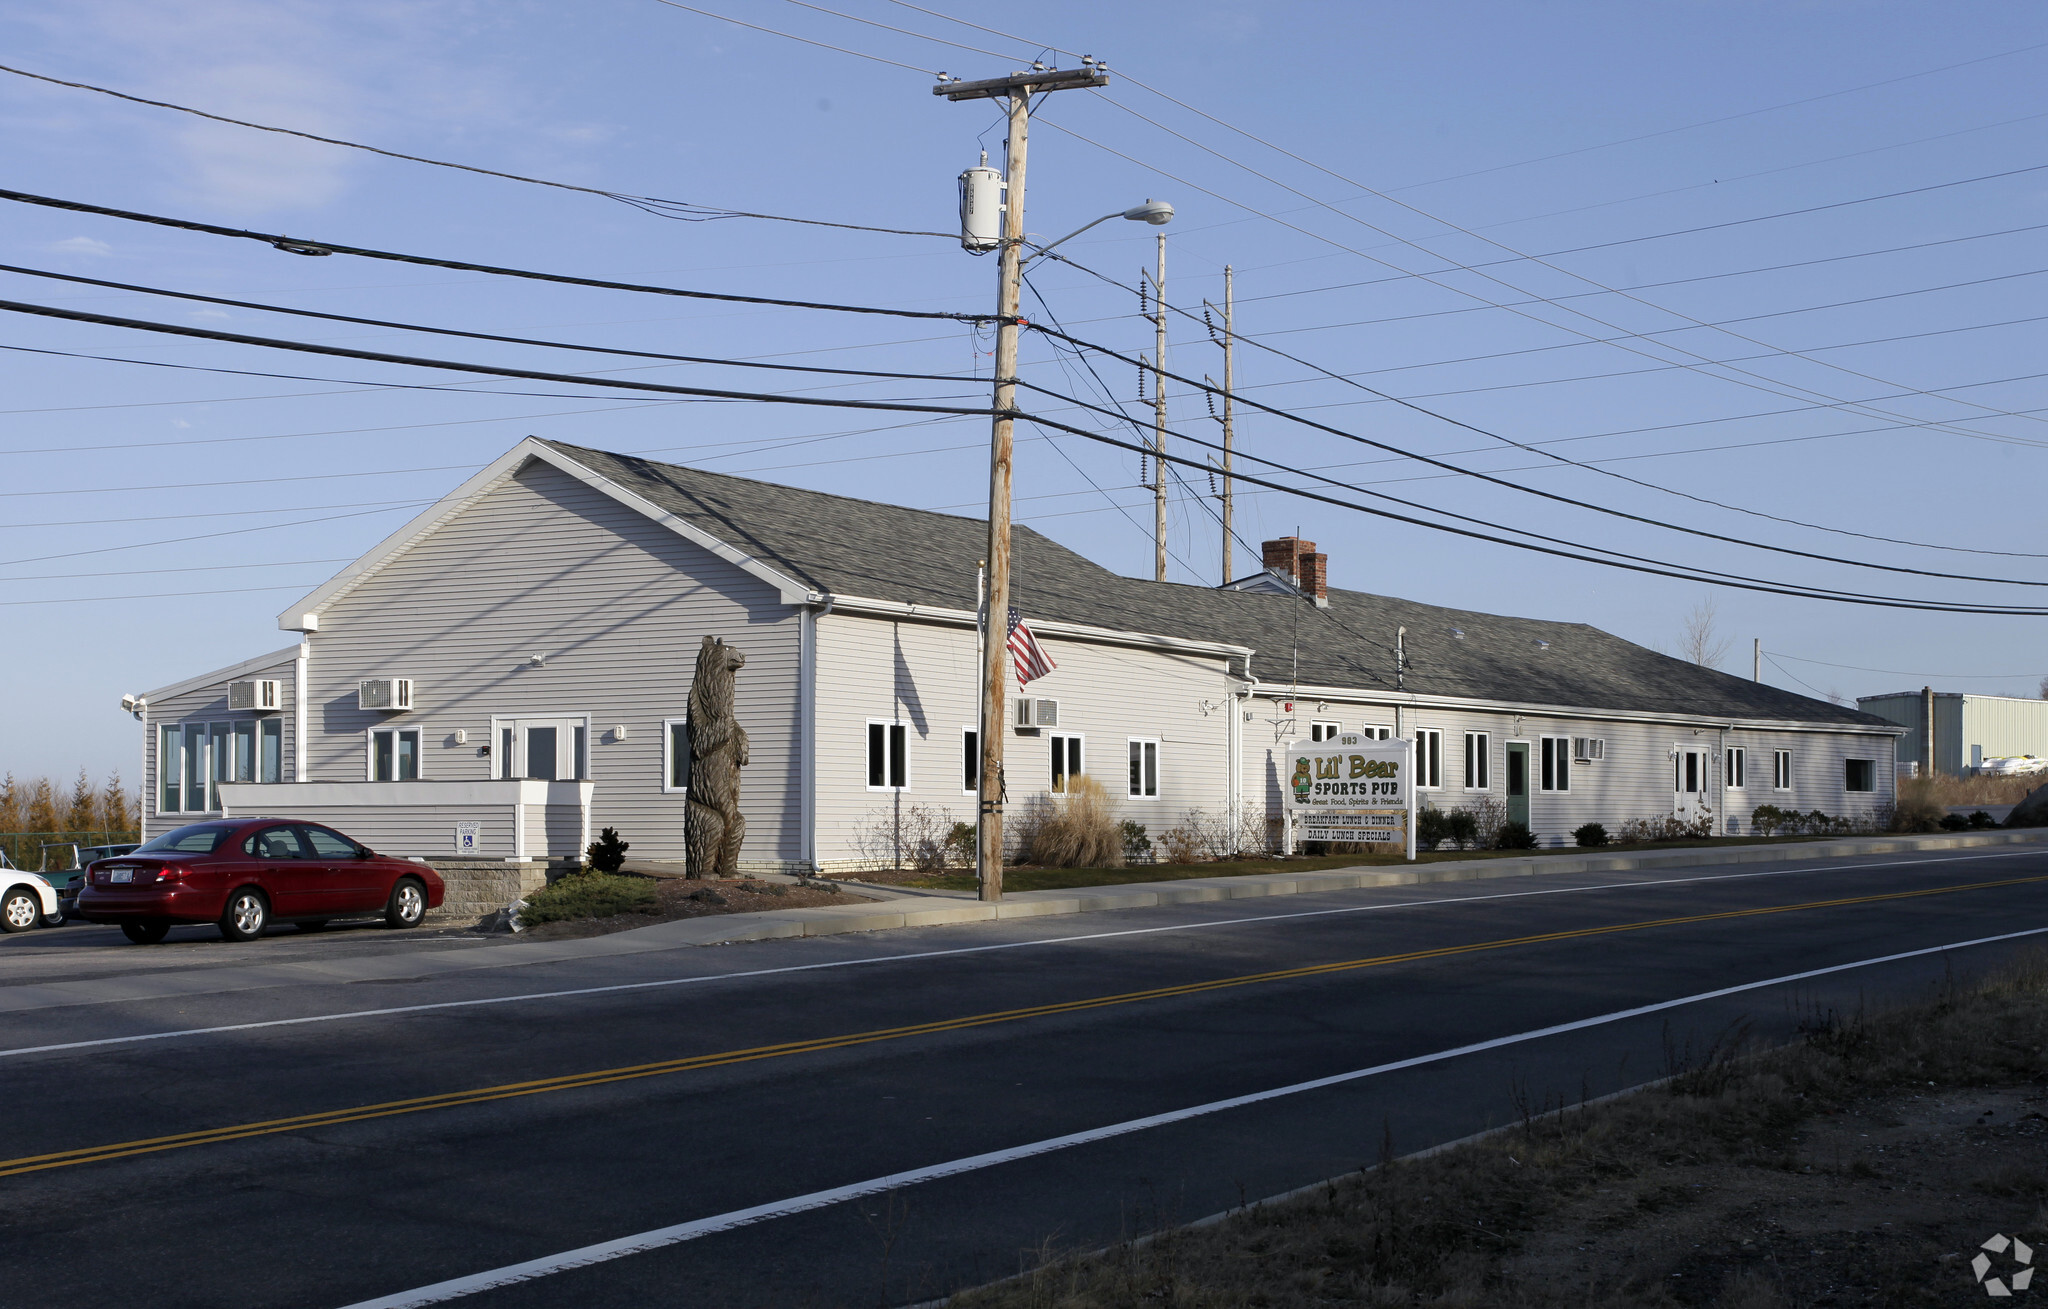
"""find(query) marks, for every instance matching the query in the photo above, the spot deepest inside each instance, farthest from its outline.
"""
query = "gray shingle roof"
(862, 548)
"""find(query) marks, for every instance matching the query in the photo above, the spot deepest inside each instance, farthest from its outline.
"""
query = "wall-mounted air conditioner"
(1588, 748)
(387, 693)
(260, 695)
(1037, 713)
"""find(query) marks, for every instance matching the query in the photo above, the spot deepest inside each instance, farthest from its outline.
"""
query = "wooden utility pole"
(1018, 89)
(1756, 659)
(1229, 354)
(1159, 416)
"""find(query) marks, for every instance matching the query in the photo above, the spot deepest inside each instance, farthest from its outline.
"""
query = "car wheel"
(20, 910)
(408, 905)
(311, 925)
(146, 933)
(245, 916)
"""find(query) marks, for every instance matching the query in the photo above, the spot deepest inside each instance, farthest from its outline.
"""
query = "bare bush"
(1080, 831)
(1487, 815)
(910, 836)
(1919, 807)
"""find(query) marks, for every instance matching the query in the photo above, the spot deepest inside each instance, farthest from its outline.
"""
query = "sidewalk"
(927, 908)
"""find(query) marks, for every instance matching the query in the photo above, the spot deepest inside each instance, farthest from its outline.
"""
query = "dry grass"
(1674, 1186)
(1078, 830)
(1943, 790)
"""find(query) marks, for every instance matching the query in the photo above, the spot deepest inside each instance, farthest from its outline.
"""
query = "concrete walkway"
(899, 908)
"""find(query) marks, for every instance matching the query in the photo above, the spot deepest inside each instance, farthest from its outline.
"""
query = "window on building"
(270, 750)
(193, 759)
(1429, 759)
(1478, 761)
(505, 737)
(1781, 770)
(582, 751)
(675, 749)
(395, 754)
(970, 760)
(1324, 729)
(1375, 732)
(888, 756)
(1738, 767)
(1556, 772)
(1144, 781)
(1861, 775)
(1066, 761)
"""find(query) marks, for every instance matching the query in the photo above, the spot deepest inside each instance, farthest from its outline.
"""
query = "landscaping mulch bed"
(683, 898)
(1865, 1165)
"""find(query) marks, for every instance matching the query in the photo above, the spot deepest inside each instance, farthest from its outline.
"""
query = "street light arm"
(1039, 250)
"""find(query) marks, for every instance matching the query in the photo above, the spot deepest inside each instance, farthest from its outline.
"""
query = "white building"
(510, 671)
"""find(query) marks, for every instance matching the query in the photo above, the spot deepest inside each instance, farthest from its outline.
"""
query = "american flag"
(1031, 661)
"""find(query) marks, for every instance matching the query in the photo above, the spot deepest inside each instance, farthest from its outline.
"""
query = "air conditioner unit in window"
(390, 693)
(259, 695)
(1588, 748)
(1037, 713)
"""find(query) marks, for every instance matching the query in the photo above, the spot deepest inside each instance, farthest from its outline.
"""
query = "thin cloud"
(80, 245)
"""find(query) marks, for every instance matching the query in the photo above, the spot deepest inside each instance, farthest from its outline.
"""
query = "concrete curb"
(870, 917)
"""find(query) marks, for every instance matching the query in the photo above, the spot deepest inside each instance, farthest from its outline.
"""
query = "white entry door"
(551, 749)
(1690, 800)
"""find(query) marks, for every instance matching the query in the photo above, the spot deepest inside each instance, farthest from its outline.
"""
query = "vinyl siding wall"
(925, 676)
(1635, 778)
(542, 564)
(207, 704)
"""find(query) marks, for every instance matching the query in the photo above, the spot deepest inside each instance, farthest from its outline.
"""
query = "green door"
(1518, 782)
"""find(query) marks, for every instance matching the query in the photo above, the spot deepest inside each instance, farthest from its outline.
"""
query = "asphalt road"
(742, 1110)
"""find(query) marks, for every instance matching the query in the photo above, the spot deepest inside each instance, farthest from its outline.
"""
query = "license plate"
(121, 875)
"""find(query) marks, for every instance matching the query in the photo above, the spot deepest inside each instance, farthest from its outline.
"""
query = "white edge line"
(962, 950)
(602, 1252)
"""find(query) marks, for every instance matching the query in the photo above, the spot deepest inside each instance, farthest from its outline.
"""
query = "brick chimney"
(1298, 561)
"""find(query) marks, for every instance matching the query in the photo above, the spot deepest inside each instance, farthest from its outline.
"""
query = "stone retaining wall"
(477, 887)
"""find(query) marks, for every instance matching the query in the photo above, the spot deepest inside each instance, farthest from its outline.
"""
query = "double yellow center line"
(720, 1059)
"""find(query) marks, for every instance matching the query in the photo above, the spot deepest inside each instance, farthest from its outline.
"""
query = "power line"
(1527, 490)
(993, 54)
(101, 520)
(682, 209)
(415, 361)
(1899, 672)
(1825, 695)
(474, 336)
(1704, 365)
(154, 595)
(1410, 403)
(193, 568)
(791, 36)
(1620, 560)
(300, 245)
(204, 536)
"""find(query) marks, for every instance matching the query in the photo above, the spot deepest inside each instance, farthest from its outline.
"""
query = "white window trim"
(1565, 742)
(965, 732)
(499, 722)
(419, 750)
(1330, 728)
(1056, 734)
(1158, 767)
(1376, 732)
(1784, 757)
(1422, 758)
(1736, 763)
(885, 723)
(668, 759)
(1485, 757)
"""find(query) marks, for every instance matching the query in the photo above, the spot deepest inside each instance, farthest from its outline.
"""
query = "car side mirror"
(364, 852)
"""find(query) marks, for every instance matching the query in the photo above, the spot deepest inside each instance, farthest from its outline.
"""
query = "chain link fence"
(32, 851)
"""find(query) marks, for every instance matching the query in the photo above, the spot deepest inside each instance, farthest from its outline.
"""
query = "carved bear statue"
(713, 827)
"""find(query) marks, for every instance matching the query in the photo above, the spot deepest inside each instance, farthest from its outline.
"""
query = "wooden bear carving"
(713, 827)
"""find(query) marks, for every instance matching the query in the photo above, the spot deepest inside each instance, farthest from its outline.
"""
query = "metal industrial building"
(1968, 729)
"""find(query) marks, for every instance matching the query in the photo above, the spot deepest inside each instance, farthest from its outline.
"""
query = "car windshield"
(200, 838)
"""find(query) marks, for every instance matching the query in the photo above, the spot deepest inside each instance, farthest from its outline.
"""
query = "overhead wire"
(1900, 672)
(682, 208)
(294, 244)
(791, 36)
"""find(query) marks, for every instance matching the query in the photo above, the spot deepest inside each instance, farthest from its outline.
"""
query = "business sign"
(1351, 787)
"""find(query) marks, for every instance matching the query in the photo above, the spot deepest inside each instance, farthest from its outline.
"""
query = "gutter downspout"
(299, 707)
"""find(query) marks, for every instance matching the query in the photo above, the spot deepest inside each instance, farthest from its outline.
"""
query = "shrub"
(1432, 826)
(1182, 842)
(1514, 836)
(1919, 807)
(1137, 845)
(1590, 834)
(607, 854)
(1079, 832)
(960, 845)
(1464, 828)
(1954, 823)
(1980, 819)
(589, 895)
(1768, 820)
(924, 837)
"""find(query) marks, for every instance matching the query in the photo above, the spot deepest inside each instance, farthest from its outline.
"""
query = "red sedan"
(244, 873)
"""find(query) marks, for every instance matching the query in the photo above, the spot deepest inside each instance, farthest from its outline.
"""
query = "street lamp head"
(1156, 212)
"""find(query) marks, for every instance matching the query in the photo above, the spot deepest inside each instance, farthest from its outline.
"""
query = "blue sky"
(1872, 178)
